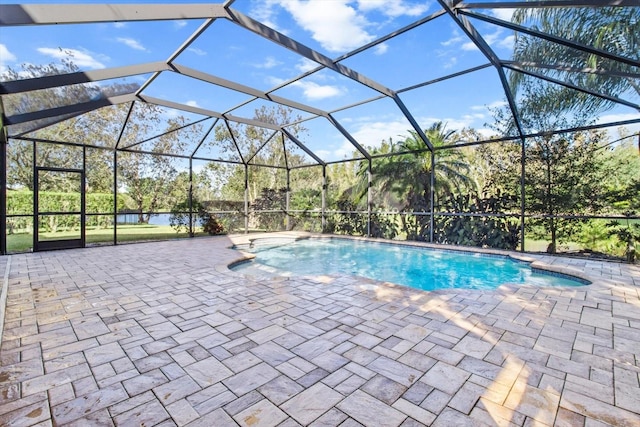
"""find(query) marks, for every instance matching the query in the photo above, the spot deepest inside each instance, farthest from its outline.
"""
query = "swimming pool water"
(421, 268)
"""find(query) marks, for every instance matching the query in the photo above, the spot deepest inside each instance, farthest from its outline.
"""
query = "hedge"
(21, 203)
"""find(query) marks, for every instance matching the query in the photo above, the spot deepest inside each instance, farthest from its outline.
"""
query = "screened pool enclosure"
(507, 124)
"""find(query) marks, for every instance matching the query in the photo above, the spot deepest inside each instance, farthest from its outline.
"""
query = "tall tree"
(150, 178)
(563, 173)
(250, 142)
(147, 178)
(94, 128)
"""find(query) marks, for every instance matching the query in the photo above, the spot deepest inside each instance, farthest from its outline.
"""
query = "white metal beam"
(67, 109)
(43, 14)
(48, 82)
(206, 112)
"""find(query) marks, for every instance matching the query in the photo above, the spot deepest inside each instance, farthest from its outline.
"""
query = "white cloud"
(452, 123)
(486, 132)
(269, 62)
(274, 81)
(119, 24)
(372, 133)
(496, 39)
(305, 65)
(337, 28)
(494, 104)
(264, 12)
(468, 46)
(612, 118)
(21, 73)
(314, 91)
(192, 103)
(6, 55)
(454, 39)
(344, 151)
(504, 14)
(473, 117)
(171, 113)
(450, 62)
(340, 25)
(367, 131)
(180, 24)
(507, 42)
(381, 49)
(132, 43)
(197, 51)
(324, 154)
(82, 58)
(393, 8)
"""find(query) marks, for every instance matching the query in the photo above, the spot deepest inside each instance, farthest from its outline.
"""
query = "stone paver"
(164, 334)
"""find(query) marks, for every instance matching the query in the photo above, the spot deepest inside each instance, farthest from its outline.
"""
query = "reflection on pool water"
(417, 267)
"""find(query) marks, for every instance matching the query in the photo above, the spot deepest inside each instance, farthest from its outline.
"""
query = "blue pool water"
(421, 268)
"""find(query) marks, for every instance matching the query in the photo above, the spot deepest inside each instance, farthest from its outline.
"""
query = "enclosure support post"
(324, 198)
(190, 197)
(3, 191)
(246, 199)
(83, 199)
(522, 203)
(369, 178)
(432, 195)
(115, 197)
(287, 201)
(34, 168)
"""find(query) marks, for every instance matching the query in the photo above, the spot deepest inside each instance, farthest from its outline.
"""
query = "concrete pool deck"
(163, 333)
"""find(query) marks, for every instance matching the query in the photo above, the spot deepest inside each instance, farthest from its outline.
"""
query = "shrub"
(179, 218)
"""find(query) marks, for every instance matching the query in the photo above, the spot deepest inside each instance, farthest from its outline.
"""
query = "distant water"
(421, 268)
(159, 219)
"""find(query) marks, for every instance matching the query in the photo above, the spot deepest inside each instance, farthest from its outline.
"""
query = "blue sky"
(331, 27)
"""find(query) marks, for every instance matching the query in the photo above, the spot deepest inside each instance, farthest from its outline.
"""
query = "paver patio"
(164, 334)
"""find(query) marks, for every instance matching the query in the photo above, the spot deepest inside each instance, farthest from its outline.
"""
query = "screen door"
(59, 214)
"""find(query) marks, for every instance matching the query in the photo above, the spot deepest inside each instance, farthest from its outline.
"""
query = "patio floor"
(163, 334)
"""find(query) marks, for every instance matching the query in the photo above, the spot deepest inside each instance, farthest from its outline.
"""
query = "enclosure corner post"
(287, 202)
(324, 199)
(522, 189)
(191, 197)
(369, 196)
(432, 195)
(3, 189)
(34, 171)
(246, 199)
(115, 197)
(83, 199)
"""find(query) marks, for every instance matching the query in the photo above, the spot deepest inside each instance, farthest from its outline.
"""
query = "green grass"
(23, 242)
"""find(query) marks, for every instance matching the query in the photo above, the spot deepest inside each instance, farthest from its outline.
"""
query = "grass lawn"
(23, 242)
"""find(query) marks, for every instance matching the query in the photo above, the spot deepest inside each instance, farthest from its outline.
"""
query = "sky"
(330, 27)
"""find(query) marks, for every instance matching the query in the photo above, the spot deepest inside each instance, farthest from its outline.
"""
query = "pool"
(417, 267)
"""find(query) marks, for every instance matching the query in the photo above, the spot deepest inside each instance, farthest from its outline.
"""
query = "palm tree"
(614, 30)
(451, 169)
(402, 178)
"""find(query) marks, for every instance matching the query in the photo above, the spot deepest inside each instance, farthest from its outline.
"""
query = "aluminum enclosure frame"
(458, 12)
